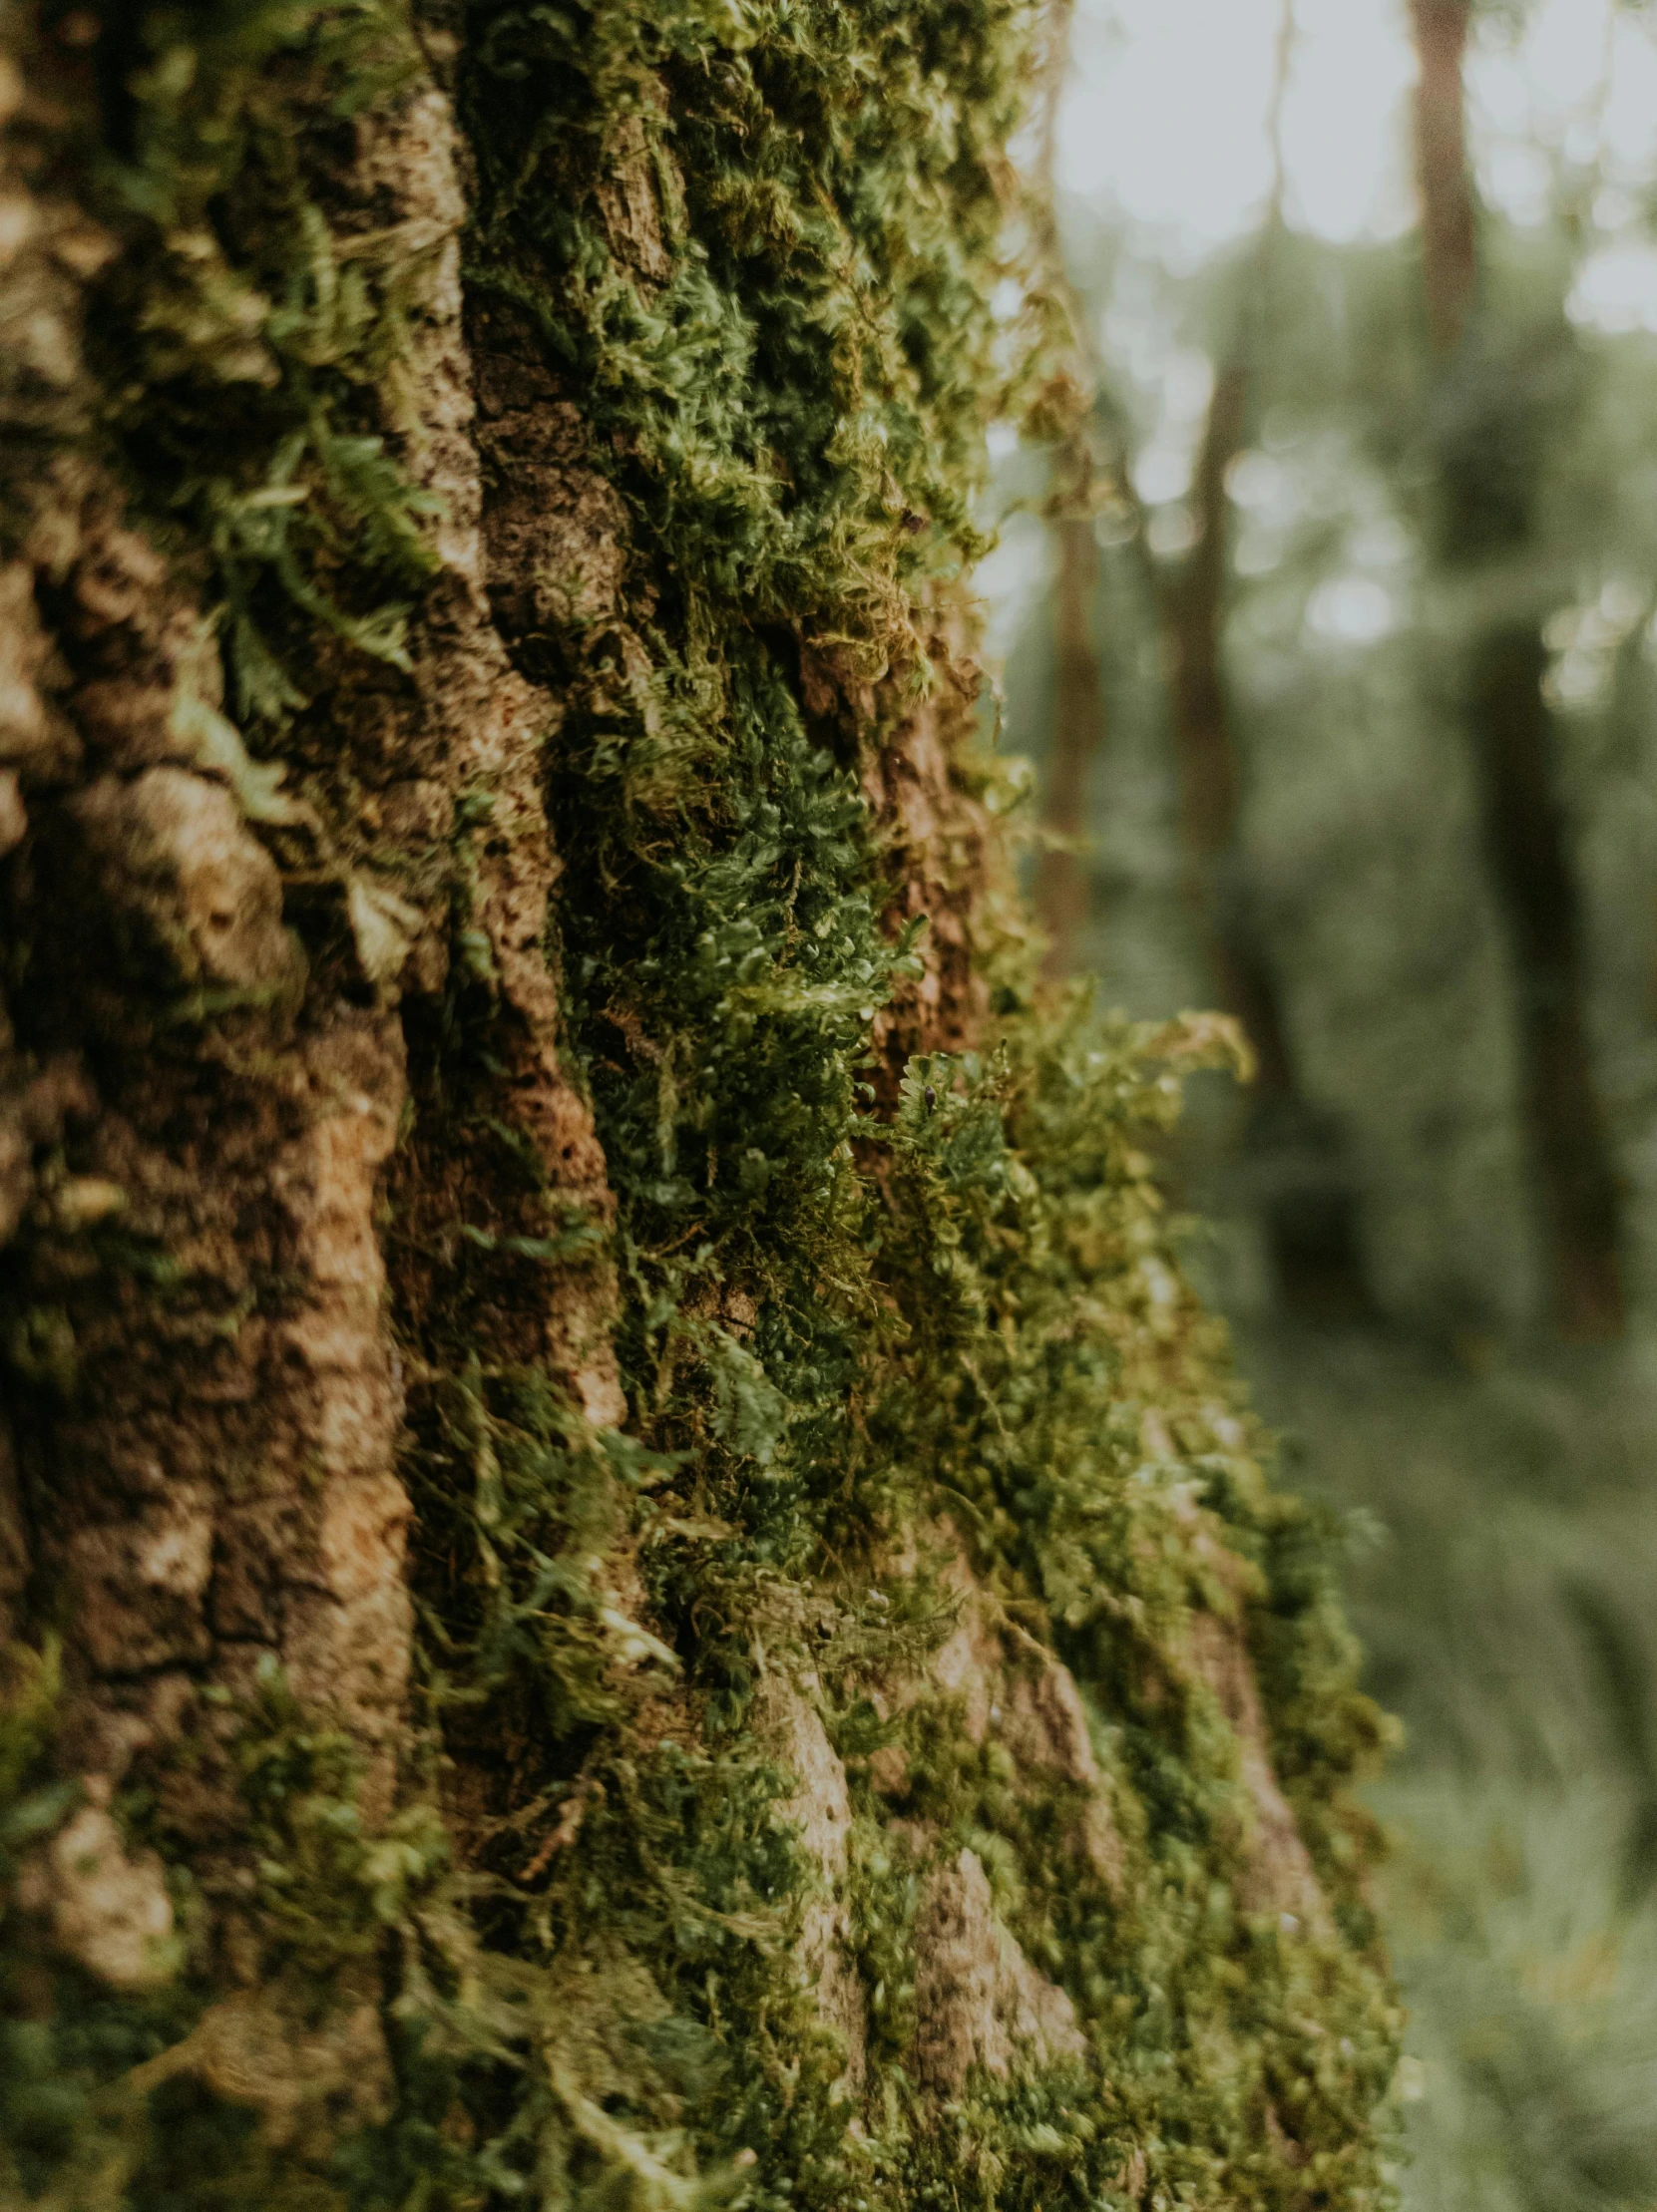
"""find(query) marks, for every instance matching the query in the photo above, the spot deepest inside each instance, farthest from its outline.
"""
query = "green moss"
(68, 2135)
(239, 337)
(837, 1324)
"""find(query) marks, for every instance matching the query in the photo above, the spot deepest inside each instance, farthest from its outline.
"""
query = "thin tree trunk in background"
(1210, 777)
(1062, 890)
(1309, 1205)
(1449, 265)
(1309, 1202)
(1525, 836)
(1487, 495)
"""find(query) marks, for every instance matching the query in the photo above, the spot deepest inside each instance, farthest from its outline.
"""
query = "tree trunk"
(630, 1576)
(1296, 1155)
(1525, 838)
(1488, 452)
(1444, 177)
(1063, 887)
(1310, 1203)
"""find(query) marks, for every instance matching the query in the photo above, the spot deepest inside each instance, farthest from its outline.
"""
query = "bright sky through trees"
(1167, 119)
(1165, 131)
(1166, 114)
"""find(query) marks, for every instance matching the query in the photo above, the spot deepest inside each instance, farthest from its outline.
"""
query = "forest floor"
(1501, 1524)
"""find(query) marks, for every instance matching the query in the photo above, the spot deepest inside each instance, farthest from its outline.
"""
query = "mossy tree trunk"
(631, 1577)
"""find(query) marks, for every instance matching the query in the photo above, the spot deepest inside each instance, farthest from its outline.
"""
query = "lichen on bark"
(634, 1577)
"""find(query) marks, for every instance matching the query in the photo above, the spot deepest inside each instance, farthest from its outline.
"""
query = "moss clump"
(242, 336)
(838, 1323)
(68, 2132)
(1022, 1231)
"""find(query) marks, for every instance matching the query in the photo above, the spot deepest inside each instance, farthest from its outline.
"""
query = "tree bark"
(598, 1411)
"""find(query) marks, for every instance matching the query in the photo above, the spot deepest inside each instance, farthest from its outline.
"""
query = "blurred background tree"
(1332, 631)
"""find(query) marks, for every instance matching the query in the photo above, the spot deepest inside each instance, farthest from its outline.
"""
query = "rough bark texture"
(628, 1574)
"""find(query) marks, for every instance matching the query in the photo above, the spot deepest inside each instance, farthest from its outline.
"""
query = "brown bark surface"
(251, 1216)
(212, 1067)
(940, 842)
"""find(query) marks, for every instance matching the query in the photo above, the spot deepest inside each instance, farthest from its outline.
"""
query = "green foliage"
(1511, 1587)
(535, 1498)
(1504, 1619)
(1531, 2047)
(834, 1325)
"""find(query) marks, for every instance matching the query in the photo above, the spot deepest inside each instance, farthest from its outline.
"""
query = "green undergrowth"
(860, 1325)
